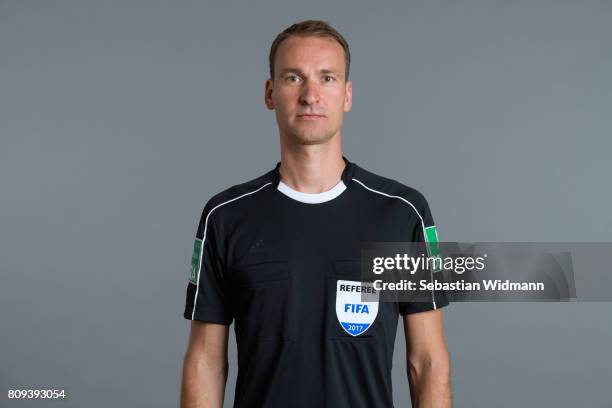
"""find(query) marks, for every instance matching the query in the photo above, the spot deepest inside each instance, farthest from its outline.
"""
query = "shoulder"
(238, 193)
(391, 189)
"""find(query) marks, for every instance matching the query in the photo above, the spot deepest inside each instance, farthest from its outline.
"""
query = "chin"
(305, 136)
(310, 138)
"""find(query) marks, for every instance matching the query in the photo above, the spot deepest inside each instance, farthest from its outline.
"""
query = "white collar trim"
(310, 198)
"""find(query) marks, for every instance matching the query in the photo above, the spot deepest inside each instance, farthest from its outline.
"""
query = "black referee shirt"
(285, 267)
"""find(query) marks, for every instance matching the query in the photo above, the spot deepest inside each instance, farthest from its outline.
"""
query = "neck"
(311, 168)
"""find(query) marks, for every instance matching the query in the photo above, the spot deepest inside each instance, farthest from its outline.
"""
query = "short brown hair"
(315, 28)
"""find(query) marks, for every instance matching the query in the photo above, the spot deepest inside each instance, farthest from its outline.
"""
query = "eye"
(329, 78)
(292, 78)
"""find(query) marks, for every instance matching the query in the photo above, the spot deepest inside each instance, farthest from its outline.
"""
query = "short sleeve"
(426, 231)
(208, 290)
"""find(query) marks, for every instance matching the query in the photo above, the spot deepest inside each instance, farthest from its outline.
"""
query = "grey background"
(119, 119)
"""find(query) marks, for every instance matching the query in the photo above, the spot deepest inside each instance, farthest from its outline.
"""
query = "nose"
(309, 94)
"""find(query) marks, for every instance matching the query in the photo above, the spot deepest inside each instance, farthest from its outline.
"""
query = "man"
(276, 254)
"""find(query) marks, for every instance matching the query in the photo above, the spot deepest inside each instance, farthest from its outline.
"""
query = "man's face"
(309, 92)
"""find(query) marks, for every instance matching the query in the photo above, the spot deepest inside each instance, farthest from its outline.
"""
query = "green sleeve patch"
(195, 261)
(433, 246)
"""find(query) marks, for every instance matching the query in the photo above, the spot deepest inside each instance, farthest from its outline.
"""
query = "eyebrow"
(299, 71)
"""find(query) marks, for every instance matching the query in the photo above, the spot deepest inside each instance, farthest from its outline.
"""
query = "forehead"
(310, 52)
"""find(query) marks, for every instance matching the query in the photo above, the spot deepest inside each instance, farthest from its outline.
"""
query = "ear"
(348, 96)
(268, 94)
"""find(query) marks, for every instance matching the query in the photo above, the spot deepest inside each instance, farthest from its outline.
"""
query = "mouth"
(310, 116)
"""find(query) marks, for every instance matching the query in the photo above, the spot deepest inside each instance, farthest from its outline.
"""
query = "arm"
(205, 366)
(427, 360)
